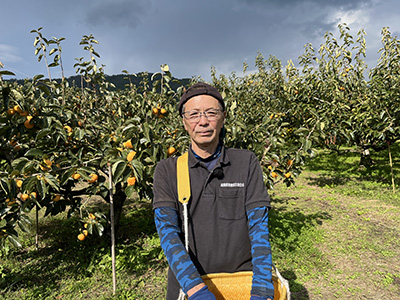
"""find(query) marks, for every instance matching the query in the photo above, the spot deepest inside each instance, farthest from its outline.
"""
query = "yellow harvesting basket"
(237, 286)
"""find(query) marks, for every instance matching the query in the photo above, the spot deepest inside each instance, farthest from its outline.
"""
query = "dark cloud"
(317, 28)
(190, 36)
(122, 13)
(338, 4)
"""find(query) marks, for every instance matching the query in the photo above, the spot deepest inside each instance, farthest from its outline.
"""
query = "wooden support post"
(112, 229)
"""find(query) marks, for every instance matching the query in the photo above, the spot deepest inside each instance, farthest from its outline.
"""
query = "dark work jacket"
(218, 231)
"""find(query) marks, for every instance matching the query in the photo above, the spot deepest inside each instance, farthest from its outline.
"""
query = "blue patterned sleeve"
(178, 259)
(262, 284)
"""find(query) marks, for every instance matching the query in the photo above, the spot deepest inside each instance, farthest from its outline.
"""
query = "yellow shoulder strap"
(183, 178)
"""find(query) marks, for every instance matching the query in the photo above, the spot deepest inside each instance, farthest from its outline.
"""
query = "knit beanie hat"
(200, 89)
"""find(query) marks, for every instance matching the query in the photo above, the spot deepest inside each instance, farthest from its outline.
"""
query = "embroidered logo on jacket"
(232, 184)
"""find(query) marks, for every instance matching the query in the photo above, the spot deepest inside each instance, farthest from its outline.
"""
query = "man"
(228, 208)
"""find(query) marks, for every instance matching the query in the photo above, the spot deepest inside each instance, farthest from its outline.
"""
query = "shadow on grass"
(330, 181)
(340, 168)
(334, 162)
(291, 233)
(61, 256)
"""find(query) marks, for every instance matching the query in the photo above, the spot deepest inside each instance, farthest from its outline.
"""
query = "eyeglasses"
(194, 116)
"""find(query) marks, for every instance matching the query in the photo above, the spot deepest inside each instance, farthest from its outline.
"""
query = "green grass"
(343, 173)
(65, 268)
(340, 227)
(334, 235)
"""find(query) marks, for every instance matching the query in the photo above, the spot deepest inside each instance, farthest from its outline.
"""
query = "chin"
(205, 144)
(205, 141)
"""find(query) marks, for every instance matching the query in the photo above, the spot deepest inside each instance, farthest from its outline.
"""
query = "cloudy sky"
(190, 36)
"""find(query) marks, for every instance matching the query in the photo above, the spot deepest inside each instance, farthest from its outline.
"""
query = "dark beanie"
(200, 89)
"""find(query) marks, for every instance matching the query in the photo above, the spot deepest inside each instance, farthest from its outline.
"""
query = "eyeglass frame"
(201, 113)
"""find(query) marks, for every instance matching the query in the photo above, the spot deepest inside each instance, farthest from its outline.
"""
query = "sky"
(191, 36)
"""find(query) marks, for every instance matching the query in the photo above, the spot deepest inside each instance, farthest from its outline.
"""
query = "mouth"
(204, 132)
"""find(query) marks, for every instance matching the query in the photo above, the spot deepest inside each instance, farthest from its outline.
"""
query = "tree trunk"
(366, 160)
(119, 200)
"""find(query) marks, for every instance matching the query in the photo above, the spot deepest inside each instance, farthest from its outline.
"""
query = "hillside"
(121, 81)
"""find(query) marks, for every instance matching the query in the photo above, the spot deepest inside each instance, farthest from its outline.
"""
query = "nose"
(203, 119)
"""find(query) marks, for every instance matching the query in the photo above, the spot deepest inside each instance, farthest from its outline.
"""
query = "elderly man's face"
(204, 133)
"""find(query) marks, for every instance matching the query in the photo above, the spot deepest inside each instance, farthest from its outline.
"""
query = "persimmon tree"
(57, 140)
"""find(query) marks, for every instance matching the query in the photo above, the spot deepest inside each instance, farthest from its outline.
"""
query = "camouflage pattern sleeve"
(262, 284)
(178, 259)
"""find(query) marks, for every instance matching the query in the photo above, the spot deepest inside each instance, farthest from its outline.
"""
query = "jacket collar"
(223, 159)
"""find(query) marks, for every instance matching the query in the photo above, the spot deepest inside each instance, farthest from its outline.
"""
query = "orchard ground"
(335, 235)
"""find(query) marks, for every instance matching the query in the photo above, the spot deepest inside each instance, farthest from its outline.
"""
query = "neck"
(205, 151)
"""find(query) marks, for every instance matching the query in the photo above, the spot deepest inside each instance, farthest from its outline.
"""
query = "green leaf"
(89, 228)
(53, 64)
(42, 133)
(79, 133)
(53, 51)
(307, 145)
(45, 89)
(29, 184)
(26, 219)
(155, 75)
(14, 240)
(20, 163)
(118, 169)
(138, 168)
(23, 226)
(146, 131)
(130, 191)
(17, 95)
(67, 175)
(99, 228)
(52, 181)
(301, 130)
(37, 77)
(41, 187)
(34, 152)
(6, 73)
(4, 185)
